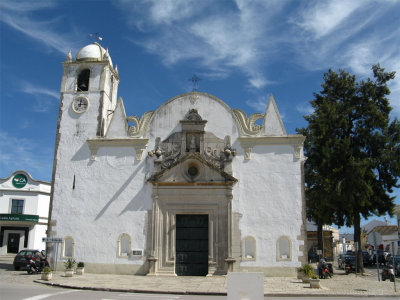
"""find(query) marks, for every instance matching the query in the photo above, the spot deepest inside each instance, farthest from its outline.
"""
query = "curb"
(322, 294)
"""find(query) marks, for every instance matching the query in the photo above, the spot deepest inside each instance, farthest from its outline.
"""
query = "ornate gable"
(201, 155)
(192, 168)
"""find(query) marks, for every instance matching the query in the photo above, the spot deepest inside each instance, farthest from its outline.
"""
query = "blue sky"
(242, 51)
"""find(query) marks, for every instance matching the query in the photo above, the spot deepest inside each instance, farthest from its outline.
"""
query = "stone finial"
(106, 55)
(69, 57)
(193, 115)
(116, 69)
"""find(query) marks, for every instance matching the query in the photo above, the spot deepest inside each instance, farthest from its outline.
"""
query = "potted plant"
(314, 282)
(69, 267)
(300, 273)
(47, 274)
(80, 268)
(308, 271)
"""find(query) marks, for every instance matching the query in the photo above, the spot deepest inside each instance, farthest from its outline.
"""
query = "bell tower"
(88, 99)
(89, 90)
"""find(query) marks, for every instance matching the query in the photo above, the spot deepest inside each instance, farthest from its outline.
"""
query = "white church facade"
(191, 188)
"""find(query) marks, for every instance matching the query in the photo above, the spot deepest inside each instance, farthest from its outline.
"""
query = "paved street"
(171, 287)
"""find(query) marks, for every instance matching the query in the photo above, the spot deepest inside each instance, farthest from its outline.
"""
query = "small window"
(124, 245)
(17, 206)
(83, 81)
(284, 248)
(249, 248)
(68, 247)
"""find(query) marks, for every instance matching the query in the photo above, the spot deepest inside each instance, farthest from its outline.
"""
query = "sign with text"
(19, 181)
(19, 218)
(52, 240)
(137, 252)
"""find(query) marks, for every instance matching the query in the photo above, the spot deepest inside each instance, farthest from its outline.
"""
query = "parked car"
(21, 261)
(344, 259)
(367, 259)
(381, 257)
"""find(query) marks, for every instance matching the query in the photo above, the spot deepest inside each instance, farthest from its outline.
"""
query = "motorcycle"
(34, 266)
(349, 267)
(387, 273)
(326, 271)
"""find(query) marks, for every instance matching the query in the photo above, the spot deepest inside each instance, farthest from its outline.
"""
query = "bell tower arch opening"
(82, 84)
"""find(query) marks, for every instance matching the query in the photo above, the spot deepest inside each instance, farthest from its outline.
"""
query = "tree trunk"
(357, 241)
(320, 236)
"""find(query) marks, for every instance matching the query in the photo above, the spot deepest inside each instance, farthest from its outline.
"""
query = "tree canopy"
(353, 150)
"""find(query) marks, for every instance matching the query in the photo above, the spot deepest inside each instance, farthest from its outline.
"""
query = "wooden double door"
(191, 245)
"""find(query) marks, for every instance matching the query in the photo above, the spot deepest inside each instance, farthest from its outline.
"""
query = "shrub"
(70, 263)
(307, 270)
(81, 265)
(46, 270)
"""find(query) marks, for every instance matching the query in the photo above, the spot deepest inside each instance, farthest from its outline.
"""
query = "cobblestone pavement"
(340, 285)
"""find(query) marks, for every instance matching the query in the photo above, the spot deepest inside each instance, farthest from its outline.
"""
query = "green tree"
(353, 150)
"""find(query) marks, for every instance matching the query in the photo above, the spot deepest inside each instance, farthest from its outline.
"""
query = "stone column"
(229, 260)
(152, 259)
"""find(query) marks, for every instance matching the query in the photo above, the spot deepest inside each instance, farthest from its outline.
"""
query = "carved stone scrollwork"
(297, 151)
(93, 151)
(142, 124)
(247, 126)
(247, 153)
(193, 98)
(139, 153)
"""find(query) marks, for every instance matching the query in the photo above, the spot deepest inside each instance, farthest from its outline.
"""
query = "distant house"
(346, 242)
(331, 238)
(397, 213)
(389, 234)
(24, 210)
(367, 228)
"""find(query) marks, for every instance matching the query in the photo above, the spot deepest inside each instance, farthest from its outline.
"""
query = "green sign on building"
(19, 218)
(19, 181)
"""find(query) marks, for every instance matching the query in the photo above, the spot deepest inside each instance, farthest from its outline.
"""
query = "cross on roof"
(194, 79)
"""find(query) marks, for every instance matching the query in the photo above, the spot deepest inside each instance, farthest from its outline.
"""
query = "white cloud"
(18, 15)
(168, 11)
(43, 96)
(322, 17)
(26, 154)
(29, 88)
(250, 36)
(304, 108)
(26, 6)
(259, 105)
(222, 38)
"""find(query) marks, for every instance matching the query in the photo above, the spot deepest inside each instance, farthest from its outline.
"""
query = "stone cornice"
(294, 140)
(138, 144)
(22, 191)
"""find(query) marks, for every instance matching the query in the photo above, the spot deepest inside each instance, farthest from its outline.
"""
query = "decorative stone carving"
(193, 98)
(193, 115)
(193, 139)
(142, 124)
(247, 153)
(247, 126)
(297, 150)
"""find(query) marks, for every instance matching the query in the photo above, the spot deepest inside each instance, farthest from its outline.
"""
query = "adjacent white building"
(193, 187)
(24, 211)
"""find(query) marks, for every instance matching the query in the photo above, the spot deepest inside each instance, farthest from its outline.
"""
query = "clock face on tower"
(80, 104)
